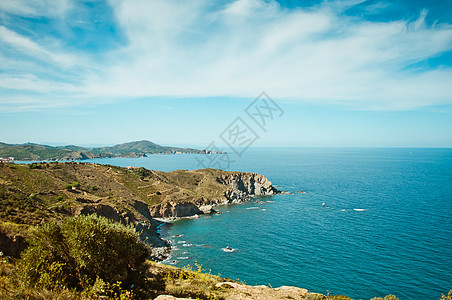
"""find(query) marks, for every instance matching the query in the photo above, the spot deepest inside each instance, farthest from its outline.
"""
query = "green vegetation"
(43, 152)
(190, 282)
(388, 297)
(448, 297)
(75, 184)
(32, 152)
(79, 251)
(86, 254)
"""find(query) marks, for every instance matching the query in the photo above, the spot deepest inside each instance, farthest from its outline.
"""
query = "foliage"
(142, 172)
(192, 282)
(75, 184)
(68, 186)
(80, 253)
(448, 297)
(44, 152)
(35, 166)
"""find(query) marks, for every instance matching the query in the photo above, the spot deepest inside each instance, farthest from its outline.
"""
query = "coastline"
(165, 255)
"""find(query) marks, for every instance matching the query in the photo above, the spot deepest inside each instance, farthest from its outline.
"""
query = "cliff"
(235, 187)
(37, 193)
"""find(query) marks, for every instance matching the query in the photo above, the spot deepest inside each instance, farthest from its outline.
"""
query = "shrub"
(68, 186)
(59, 198)
(448, 297)
(75, 184)
(82, 252)
(142, 172)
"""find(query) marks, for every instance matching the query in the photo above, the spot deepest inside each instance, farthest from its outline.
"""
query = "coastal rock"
(245, 185)
(240, 187)
(169, 297)
(175, 210)
(248, 184)
(207, 209)
(105, 211)
(227, 285)
(262, 292)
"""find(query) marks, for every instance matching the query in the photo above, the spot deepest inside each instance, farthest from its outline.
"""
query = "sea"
(385, 226)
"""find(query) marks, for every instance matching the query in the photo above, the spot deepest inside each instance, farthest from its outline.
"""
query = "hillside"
(36, 193)
(37, 152)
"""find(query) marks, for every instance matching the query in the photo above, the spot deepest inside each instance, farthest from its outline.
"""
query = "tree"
(82, 252)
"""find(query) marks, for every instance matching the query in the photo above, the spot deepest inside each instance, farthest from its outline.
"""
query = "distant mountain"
(30, 151)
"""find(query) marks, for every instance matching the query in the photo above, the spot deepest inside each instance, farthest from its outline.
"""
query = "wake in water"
(228, 249)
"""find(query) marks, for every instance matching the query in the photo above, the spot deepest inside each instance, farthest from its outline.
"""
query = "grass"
(161, 279)
(192, 282)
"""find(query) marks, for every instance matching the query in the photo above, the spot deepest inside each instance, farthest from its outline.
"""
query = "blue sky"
(345, 72)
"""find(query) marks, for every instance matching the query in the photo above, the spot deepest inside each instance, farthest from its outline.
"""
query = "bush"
(142, 172)
(82, 253)
(68, 186)
(75, 184)
(59, 198)
(448, 297)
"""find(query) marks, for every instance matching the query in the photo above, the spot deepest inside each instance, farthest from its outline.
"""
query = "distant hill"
(30, 151)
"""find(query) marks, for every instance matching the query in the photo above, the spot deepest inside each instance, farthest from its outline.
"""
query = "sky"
(336, 73)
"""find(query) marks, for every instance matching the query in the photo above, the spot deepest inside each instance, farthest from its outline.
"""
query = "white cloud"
(29, 47)
(193, 48)
(36, 8)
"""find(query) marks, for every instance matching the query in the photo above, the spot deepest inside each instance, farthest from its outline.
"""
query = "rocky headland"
(36, 193)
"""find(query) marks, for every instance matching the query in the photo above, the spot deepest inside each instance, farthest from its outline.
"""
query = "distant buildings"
(7, 159)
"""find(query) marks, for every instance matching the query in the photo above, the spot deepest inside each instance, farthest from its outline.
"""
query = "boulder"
(227, 285)
(168, 297)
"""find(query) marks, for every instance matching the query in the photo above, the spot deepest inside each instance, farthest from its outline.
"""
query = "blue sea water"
(386, 227)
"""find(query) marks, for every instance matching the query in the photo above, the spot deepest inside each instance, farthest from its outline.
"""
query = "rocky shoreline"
(243, 187)
(138, 197)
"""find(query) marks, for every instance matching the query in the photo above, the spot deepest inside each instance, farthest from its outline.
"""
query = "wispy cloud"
(197, 48)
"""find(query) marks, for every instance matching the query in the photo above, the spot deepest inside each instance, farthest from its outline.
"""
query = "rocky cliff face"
(245, 185)
(175, 210)
(240, 187)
